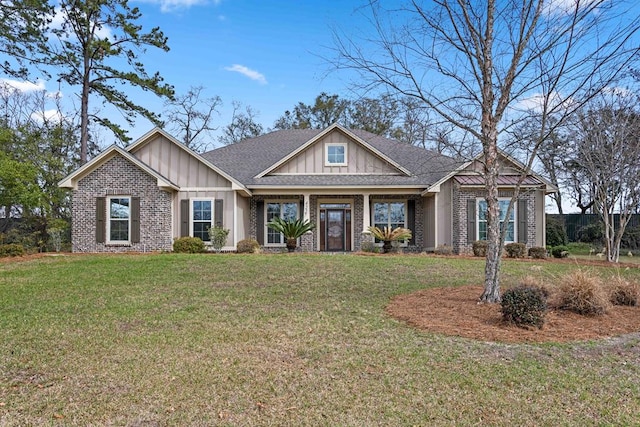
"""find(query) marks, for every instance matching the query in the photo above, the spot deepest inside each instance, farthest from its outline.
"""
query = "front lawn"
(281, 340)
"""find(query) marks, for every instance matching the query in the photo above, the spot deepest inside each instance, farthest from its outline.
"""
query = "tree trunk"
(84, 111)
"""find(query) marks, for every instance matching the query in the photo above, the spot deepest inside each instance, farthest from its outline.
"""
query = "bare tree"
(243, 125)
(476, 63)
(189, 116)
(606, 151)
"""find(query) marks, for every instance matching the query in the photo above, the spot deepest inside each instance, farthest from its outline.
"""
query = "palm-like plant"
(388, 235)
(291, 229)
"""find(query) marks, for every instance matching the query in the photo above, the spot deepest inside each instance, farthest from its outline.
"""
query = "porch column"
(366, 213)
(306, 210)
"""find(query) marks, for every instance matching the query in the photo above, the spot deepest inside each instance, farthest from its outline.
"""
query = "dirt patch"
(456, 311)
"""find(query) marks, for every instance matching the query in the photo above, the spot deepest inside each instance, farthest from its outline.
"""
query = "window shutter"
(184, 218)
(411, 220)
(471, 221)
(218, 213)
(260, 222)
(101, 223)
(523, 217)
(135, 219)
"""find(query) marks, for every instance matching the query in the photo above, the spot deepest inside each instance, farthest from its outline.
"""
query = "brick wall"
(120, 177)
(459, 208)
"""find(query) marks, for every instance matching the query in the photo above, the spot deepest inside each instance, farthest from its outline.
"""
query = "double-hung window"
(510, 235)
(119, 219)
(392, 214)
(335, 154)
(201, 218)
(287, 211)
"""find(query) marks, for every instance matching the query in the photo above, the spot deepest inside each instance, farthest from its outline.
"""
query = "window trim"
(335, 144)
(514, 214)
(108, 240)
(373, 202)
(266, 221)
(191, 220)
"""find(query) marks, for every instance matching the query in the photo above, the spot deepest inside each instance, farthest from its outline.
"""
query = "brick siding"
(119, 177)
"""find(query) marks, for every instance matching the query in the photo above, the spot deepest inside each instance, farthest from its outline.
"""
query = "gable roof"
(251, 160)
(71, 181)
(149, 136)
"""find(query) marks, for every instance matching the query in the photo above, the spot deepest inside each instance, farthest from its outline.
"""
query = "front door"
(335, 230)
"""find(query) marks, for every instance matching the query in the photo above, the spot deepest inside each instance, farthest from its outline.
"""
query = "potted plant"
(291, 230)
(389, 235)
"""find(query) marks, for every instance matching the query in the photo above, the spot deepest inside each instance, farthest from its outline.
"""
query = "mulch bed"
(456, 311)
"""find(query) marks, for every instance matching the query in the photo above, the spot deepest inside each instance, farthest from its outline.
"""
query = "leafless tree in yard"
(484, 66)
(605, 147)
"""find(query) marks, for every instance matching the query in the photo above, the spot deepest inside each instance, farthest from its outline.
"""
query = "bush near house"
(560, 251)
(582, 292)
(516, 250)
(480, 248)
(248, 246)
(624, 292)
(538, 252)
(188, 245)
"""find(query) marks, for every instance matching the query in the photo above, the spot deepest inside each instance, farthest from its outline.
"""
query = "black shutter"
(184, 218)
(260, 222)
(218, 213)
(523, 218)
(471, 221)
(135, 219)
(411, 220)
(101, 224)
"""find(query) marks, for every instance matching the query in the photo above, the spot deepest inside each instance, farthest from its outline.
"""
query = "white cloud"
(59, 18)
(536, 102)
(48, 116)
(168, 6)
(565, 7)
(9, 85)
(248, 72)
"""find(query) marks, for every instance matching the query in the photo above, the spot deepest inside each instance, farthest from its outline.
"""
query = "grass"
(281, 340)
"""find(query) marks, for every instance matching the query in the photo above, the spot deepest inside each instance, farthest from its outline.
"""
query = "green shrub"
(370, 247)
(582, 293)
(516, 250)
(11, 249)
(624, 292)
(538, 252)
(443, 250)
(524, 306)
(560, 251)
(480, 248)
(591, 233)
(248, 246)
(188, 245)
(580, 248)
(556, 232)
(218, 237)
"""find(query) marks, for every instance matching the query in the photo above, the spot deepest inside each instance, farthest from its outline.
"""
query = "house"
(142, 197)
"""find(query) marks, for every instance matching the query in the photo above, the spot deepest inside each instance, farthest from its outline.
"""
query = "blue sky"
(266, 54)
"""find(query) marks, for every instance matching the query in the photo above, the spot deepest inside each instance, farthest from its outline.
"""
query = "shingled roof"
(247, 159)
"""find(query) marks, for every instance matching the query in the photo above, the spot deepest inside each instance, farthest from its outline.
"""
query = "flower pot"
(386, 247)
(291, 244)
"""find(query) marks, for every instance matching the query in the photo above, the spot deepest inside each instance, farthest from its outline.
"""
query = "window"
(335, 154)
(389, 214)
(482, 220)
(119, 219)
(284, 210)
(201, 218)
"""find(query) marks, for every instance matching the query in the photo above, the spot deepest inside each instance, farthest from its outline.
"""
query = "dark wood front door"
(335, 230)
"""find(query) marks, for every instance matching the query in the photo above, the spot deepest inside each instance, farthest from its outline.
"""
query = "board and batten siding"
(178, 165)
(228, 219)
(360, 160)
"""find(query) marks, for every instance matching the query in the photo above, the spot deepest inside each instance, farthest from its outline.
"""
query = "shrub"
(443, 250)
(538, 252)
(556, 232)
(218, 236)
(591, 233)
(624, 292)
(516, 250)
(11, 249)
(480, 248)
(582, 293)
(369, 247)
(189, 245)
(524, 306)
(248, 246)
(560, 251)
